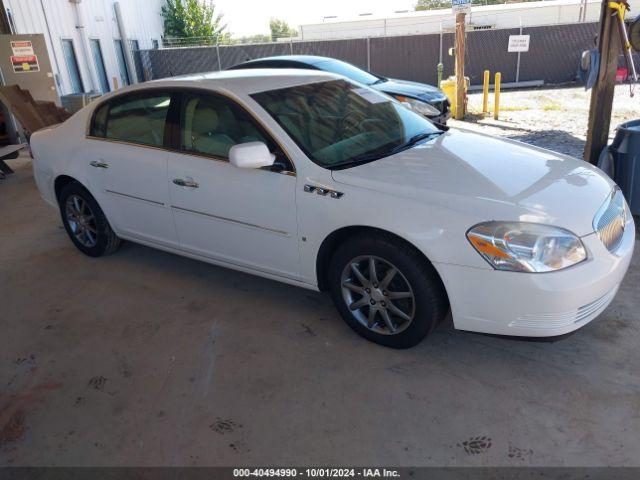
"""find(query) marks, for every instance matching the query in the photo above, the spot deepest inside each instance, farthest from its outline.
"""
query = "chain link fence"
(553, 56)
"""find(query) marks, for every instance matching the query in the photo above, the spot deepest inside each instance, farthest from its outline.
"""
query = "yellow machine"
(448, 86)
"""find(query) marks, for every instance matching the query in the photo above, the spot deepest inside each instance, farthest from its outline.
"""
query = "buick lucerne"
(309, 178)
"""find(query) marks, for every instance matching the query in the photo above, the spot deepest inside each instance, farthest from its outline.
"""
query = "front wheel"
(386, 292)
(85, 222)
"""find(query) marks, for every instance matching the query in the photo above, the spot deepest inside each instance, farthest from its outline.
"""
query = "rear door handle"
(99, 164)
(185, 183)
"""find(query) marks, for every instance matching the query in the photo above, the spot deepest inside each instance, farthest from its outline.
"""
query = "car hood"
(410, 89)
(488, 178)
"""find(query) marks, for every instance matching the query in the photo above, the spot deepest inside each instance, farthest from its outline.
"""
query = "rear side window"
(136, 119)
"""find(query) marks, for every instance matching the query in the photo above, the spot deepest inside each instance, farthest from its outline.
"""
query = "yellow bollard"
(485, 93)
(496, 102)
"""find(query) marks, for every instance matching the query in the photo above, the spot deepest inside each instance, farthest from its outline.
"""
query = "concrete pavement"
(147, 358)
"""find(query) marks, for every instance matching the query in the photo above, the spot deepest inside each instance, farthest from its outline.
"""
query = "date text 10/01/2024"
(317, 472)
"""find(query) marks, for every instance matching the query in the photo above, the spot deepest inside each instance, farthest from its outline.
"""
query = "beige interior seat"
(202, 130)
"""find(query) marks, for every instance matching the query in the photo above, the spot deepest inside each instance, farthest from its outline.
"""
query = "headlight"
(419, 106)
(526, 247)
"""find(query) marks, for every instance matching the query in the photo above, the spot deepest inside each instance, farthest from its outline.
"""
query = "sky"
(245, 17)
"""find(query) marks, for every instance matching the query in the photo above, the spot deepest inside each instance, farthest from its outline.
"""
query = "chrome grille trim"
(610, 221)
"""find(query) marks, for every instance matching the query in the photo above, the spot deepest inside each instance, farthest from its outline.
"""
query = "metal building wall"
(142, 20)
(499, 16)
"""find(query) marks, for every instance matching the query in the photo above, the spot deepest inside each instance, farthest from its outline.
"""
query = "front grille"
(610, 220)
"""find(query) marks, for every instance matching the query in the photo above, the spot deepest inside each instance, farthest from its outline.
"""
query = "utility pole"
(603, 90)
(460, 52)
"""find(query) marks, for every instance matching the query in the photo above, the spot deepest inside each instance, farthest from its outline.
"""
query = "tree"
(432, 4)
(257, 38)
(281, 29)
(193, 18)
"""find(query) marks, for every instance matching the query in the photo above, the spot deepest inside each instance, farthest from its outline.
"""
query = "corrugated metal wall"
(142, 20)
(502, 15)
(553, 57)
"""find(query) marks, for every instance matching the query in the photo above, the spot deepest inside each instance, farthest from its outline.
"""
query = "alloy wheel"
(81, 220)
(378, 295)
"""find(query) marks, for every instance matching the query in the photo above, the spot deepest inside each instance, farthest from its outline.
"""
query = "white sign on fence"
(461, 6)
(519, 43)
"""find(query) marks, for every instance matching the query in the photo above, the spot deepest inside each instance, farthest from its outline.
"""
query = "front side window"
(339, 124)
(211, 125)
(138, 118)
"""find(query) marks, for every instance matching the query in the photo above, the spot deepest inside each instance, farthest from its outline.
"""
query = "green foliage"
(432, 4)
(281, 29)
(193, 18)
(258, 38)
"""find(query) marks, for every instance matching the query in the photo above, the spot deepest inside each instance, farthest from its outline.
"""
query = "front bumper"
(542, 304)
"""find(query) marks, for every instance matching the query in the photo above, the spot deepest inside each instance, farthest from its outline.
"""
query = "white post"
(86, 53)
(518, 64)
(440, 59)
(369, 53)
(218, 53)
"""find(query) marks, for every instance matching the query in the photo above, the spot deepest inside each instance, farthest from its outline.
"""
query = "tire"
(91, 234)
(426, 307)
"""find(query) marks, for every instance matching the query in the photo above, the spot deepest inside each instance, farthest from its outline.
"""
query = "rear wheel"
(85, 222)
(386, 292)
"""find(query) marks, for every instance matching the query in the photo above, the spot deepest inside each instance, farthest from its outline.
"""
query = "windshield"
(338, 124)
(347, 70)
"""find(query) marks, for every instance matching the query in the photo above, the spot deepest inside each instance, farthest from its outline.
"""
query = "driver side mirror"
(251, 155)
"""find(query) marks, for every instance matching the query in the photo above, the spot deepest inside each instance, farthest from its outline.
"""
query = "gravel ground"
(553, 118)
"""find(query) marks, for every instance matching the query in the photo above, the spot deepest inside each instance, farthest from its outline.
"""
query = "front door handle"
(99, 164)
(185, 183)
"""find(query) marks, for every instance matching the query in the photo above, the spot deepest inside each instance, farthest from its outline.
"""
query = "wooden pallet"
(31, 114)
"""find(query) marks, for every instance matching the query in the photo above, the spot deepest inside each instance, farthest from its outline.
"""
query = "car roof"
(244, 82)
(308, 59)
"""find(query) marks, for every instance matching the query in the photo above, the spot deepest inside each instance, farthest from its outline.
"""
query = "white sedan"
(310, 179)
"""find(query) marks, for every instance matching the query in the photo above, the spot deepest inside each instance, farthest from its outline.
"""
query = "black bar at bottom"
(215, 473)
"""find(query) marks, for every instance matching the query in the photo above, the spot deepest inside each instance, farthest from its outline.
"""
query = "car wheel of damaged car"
(387, 293)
